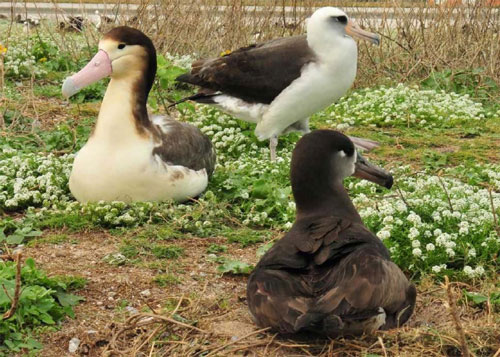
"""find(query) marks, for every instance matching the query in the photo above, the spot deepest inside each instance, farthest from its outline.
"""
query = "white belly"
(316, 88)
(131, 173)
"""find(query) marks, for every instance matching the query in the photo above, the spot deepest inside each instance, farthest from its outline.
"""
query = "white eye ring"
(342, 153)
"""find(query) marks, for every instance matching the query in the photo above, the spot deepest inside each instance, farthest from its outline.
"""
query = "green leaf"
(235, 267)
(46, 318)
(495, 298)
(476, 298)
(30, 262)
(66, 299)
(15, 239)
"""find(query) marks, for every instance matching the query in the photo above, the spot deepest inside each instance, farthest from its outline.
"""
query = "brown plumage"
(255, 74)
(329, 274)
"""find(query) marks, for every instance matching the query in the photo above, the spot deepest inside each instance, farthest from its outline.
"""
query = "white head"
(330, 25)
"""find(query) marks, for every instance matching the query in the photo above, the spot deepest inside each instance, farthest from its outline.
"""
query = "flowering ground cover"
(189, 261)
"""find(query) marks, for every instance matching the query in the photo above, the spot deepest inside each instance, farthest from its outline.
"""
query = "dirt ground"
(216, 305)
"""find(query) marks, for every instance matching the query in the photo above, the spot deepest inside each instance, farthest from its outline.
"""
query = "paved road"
(56, 11)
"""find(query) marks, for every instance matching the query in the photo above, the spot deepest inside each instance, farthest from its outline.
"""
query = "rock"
(146, 293)
(73, 344)
(132, 310)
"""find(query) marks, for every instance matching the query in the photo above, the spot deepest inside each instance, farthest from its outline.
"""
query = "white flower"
(415, 244)
(469, 271)
(383, 234)
(414, 218)
(417, 252)
(413, 233)
(479, 270)
(472, 253)
(438, 268)
(388, 220)
(430, 247)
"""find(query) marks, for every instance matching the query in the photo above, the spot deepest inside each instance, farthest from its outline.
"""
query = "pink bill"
(98, 68)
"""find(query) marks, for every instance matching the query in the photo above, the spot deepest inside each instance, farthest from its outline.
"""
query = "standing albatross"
(329, 274)
(280, 83)
(131, 156)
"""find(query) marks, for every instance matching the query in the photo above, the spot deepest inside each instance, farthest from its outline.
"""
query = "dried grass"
(415, 40)
(165, 335)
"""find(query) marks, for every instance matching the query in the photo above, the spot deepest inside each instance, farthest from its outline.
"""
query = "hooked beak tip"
(367, 171)
(389, 182)
(68, 88)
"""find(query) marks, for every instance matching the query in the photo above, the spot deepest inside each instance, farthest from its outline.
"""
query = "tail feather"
(198, 97)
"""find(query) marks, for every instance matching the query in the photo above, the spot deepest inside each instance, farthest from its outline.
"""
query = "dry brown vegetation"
(205, 314)
(415, 40)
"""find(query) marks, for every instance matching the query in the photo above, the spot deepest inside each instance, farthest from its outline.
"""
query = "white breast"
(116, 164)
(320, 84)
(130, 174)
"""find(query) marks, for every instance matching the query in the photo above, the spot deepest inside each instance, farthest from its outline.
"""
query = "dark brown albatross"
(280, 83)
(329, 274)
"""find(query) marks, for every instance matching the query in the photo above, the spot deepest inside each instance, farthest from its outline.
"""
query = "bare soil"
(216, 306)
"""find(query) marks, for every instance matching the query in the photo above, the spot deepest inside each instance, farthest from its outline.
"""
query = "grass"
(192, 258)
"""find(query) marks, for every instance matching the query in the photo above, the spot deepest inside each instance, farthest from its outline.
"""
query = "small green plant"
(472, 82)
(235, 267)
(50, 239)
(478, 299)
(404, 106)
(246, 236)
(216, 248)
(166, 280)
(19, 235)
(42, 301)
(115, 259)
(168, 252)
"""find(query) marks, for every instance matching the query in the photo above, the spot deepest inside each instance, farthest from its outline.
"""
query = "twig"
(152, 349)
(446, 192)
(177, 307)
(168, 319)
(14, 300)
(382, 345)
(495, 219)
(403, 198)
(236, 341)
(497, 353)
(135, 322)
(456, 319)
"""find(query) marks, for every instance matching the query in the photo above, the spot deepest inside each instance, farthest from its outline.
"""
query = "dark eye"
(341, 19)
(121, 46)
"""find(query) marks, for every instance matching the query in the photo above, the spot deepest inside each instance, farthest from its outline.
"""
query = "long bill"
(98, 68)
(353, 30)
(373, 173)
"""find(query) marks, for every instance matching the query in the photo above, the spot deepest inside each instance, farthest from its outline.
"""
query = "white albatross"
(280, 83)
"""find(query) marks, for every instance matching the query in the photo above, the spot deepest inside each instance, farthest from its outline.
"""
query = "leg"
(273, 143)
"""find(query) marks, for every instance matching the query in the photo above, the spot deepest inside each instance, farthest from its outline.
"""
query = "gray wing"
(183, 144)
(256, 73)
